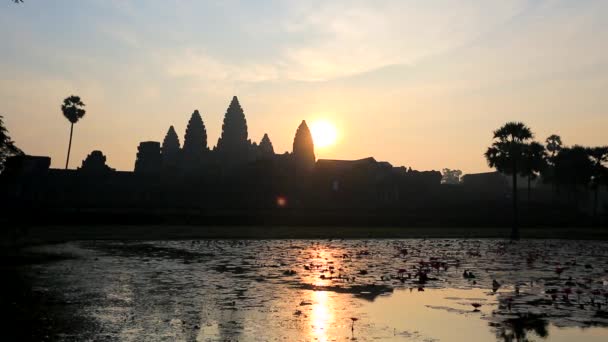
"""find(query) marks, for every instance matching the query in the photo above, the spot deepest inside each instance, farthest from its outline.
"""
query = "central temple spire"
(233, 144)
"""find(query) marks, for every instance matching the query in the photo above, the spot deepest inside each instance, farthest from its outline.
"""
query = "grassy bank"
(163, 232)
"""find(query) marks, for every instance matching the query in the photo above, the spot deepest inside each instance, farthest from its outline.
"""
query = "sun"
(324, 133)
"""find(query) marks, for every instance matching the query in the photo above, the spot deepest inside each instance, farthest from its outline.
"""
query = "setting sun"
(324, 133)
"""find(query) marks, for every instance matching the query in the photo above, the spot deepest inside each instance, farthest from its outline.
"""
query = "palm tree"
(534, 161)
(73, 110)
(554, 144)
(599, 156)
(506, 155)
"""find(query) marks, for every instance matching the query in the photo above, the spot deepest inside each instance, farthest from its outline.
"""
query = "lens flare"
(281, 202)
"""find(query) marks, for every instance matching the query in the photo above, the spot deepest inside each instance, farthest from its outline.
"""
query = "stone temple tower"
(233, 147)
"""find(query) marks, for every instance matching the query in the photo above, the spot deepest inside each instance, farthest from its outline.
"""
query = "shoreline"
(62, 233)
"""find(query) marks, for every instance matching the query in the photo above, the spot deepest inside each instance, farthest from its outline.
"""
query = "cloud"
(327, 40)
(121, 34)
(357, 37)
(198, 64)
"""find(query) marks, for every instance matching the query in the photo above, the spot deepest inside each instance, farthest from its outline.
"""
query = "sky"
(418, 83)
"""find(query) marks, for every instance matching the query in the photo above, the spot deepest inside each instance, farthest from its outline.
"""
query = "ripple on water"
(310, 290)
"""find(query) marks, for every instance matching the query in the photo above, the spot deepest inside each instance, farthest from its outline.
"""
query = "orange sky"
(412, 83)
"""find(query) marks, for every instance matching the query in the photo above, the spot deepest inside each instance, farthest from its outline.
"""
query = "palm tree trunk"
(515, 229)
(67, 162)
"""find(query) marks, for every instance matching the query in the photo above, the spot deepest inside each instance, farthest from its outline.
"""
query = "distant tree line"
(514, 152)
(449, 176)
(7, 146)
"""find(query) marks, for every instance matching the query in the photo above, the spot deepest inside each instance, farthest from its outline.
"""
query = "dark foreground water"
(304, 290)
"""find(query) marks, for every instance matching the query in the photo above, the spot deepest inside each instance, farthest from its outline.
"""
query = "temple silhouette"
(233, 150)
(239, 181)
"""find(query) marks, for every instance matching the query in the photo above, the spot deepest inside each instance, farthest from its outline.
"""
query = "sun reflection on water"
(321, 315)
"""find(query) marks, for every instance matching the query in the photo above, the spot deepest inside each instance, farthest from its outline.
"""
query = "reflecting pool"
(324, 290)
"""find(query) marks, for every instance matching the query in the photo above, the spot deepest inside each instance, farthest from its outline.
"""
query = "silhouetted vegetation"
(575, 169)
(507, 154)
(554, 145)
(7, 146)
(533, 162)
(599, 156)
(449, 176)
(73, 110)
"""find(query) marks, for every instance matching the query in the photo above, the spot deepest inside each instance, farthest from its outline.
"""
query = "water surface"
(320, 290)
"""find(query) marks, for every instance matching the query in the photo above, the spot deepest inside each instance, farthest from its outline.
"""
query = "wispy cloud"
(198, 64)
(121, 35)
(344, 38)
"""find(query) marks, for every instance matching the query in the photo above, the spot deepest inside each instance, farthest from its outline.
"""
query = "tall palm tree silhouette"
(73, 110)
(506, 155)
(554, 144)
